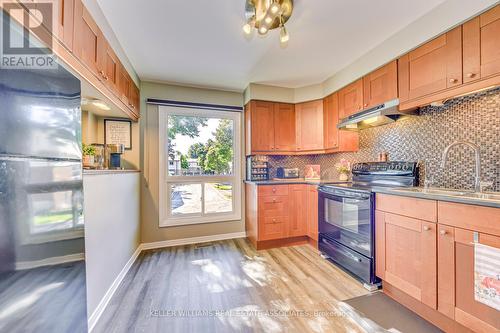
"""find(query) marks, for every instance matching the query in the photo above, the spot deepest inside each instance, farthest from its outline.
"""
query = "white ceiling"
(201, 42)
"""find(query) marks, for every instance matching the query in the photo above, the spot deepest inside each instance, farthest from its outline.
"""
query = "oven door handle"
(345, 196)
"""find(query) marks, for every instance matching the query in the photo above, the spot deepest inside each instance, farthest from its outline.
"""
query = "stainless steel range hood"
(379, 115)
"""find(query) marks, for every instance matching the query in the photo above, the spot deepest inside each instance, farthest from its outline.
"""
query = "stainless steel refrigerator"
(42, 267)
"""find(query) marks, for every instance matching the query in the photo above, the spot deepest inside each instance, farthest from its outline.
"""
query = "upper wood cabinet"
(351, 99)
(262, 126)
(330, 121)
(432, 67)
(65, 23)
(134, 97)
(87, 42)
(456, 279)
(309, 125)
(284, 127)
(380, 85)
(110, 67)
(481, 46)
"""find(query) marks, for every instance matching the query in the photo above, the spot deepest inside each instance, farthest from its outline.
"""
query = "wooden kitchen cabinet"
(110, 66)
(87, 41)
(279, 215)
(336, 140)
(432, 67)
(312, 212)
(380, 85)
(481, 46)
(284, 127)
(330, 121)
(456, 279)
(351, 99)
(262, 126)
(298, 210)
(65, 22)
(309, 126)
(408, 259)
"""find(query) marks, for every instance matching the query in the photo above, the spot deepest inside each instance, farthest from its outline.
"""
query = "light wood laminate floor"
(257, 287)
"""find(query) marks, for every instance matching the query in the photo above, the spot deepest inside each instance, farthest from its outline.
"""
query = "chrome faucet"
(477, 184)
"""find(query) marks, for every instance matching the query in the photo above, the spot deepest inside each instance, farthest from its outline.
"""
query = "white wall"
(150, 230)
(112, 229)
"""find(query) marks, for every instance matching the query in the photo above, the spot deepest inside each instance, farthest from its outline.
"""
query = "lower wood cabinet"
(279, 215)
(433, 262)
(408, 259)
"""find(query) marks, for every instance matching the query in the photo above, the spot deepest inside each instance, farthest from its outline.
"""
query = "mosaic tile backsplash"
(423, 138)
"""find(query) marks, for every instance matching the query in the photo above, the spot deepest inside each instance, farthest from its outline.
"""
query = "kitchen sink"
(454, 193)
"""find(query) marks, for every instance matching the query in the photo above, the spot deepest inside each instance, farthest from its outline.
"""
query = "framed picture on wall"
(118, 131)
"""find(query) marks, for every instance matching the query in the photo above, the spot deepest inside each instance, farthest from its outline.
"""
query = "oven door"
(346, 217)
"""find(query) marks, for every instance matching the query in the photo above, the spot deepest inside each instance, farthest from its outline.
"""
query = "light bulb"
(275, 8)
(268, 19)
(284, 36)
(247, 28)
(262, 30)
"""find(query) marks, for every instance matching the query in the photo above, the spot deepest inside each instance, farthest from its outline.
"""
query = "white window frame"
(166, 180)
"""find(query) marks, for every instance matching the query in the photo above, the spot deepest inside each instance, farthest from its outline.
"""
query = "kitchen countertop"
(107, 172)
(441, 197)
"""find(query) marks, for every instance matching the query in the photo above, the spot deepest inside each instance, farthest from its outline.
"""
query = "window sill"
(190, 220)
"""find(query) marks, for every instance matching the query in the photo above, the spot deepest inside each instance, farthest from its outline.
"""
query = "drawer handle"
(442, 232)
(471, 75)
(274, 189)
(453, 80)
(274, 220)
(427, 228)
(274, 200)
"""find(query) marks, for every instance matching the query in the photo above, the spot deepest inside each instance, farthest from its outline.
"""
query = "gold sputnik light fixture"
(265, 15)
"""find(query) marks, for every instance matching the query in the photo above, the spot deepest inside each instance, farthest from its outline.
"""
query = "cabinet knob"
(427, 228)
(442, 232)
(365, 105)
(274, 220)
(274, 200)
(453, 80)
(274, 189)
(471, 75)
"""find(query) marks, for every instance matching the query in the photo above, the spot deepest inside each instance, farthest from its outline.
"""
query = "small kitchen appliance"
(115, 155)
(287, 173)
(346, 215)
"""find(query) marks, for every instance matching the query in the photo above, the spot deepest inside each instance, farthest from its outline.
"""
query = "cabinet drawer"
(273, 227)
(265, 190)
(471, 217)
(273, 206)
(412, 207)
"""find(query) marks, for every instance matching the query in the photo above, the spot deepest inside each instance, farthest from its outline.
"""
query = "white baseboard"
(94, 317)
(192, 240)
(49, 261)
(92, 321)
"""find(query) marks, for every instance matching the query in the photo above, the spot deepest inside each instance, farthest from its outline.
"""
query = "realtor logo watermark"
(26, 36)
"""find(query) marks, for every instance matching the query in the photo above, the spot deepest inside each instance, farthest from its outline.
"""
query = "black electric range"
(346, 215)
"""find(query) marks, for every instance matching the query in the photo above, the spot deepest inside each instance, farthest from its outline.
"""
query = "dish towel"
(487, 275)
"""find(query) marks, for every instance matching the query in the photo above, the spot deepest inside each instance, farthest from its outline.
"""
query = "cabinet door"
(380, 85)
(481, 46)
(86, 39)
(110, 66)
(456, 264)
(298, 210)
(351, 99)
(284, 127)
(65, 23)
(262, 127)
(407, 257)
(309, 125)
(432, 67)
(134, 98)
(312, 212)
(331, 119)
(124, 82)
